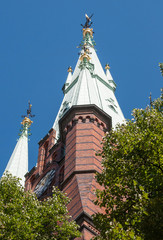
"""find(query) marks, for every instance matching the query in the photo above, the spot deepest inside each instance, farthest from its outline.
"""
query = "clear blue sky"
(38, 42)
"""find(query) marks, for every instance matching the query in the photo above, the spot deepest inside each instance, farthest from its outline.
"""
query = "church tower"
(67, 154)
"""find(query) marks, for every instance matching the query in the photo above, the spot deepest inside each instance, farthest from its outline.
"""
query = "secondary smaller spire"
(18, 162)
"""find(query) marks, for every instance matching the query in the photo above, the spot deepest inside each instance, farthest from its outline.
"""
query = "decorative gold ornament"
(26, 121)
(107, 66)
(69, 69)
(84, 55)
(87, 30)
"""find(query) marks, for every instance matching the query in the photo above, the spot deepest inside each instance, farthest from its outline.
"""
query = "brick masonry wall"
(82, 141)
(81, 130)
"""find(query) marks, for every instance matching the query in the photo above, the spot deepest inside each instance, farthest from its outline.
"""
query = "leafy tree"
(161, 68)
(132, 178)
(23, 216)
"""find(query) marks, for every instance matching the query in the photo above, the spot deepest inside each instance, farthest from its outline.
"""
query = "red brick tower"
(67, 154)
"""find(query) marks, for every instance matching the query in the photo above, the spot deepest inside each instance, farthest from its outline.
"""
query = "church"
(67, 154)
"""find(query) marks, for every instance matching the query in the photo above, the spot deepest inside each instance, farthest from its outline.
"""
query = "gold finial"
(86, 56)
(69, 69)
(27, 121)
(107, 66)
(87, 30)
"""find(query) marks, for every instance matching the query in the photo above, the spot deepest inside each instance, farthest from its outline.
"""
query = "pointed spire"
(89, 83)
(18, 162)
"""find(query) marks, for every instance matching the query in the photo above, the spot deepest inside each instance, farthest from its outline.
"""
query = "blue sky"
(38, 42)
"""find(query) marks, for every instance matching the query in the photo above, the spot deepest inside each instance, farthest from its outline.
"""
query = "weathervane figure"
(88, 22)
(28, 111)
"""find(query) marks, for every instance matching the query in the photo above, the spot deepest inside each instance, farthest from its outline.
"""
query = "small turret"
(109, 77)
(68, 80)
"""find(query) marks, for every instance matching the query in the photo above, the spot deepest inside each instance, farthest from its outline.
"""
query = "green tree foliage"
(23, 217)
(132, 178)
(161, 68)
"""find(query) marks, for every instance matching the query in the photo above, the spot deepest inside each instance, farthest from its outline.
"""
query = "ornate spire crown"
(87, 31)
(26, 123)
(87, 41)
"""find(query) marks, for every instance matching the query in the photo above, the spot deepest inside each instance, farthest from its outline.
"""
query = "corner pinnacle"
(107, 66)
(69, 69)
